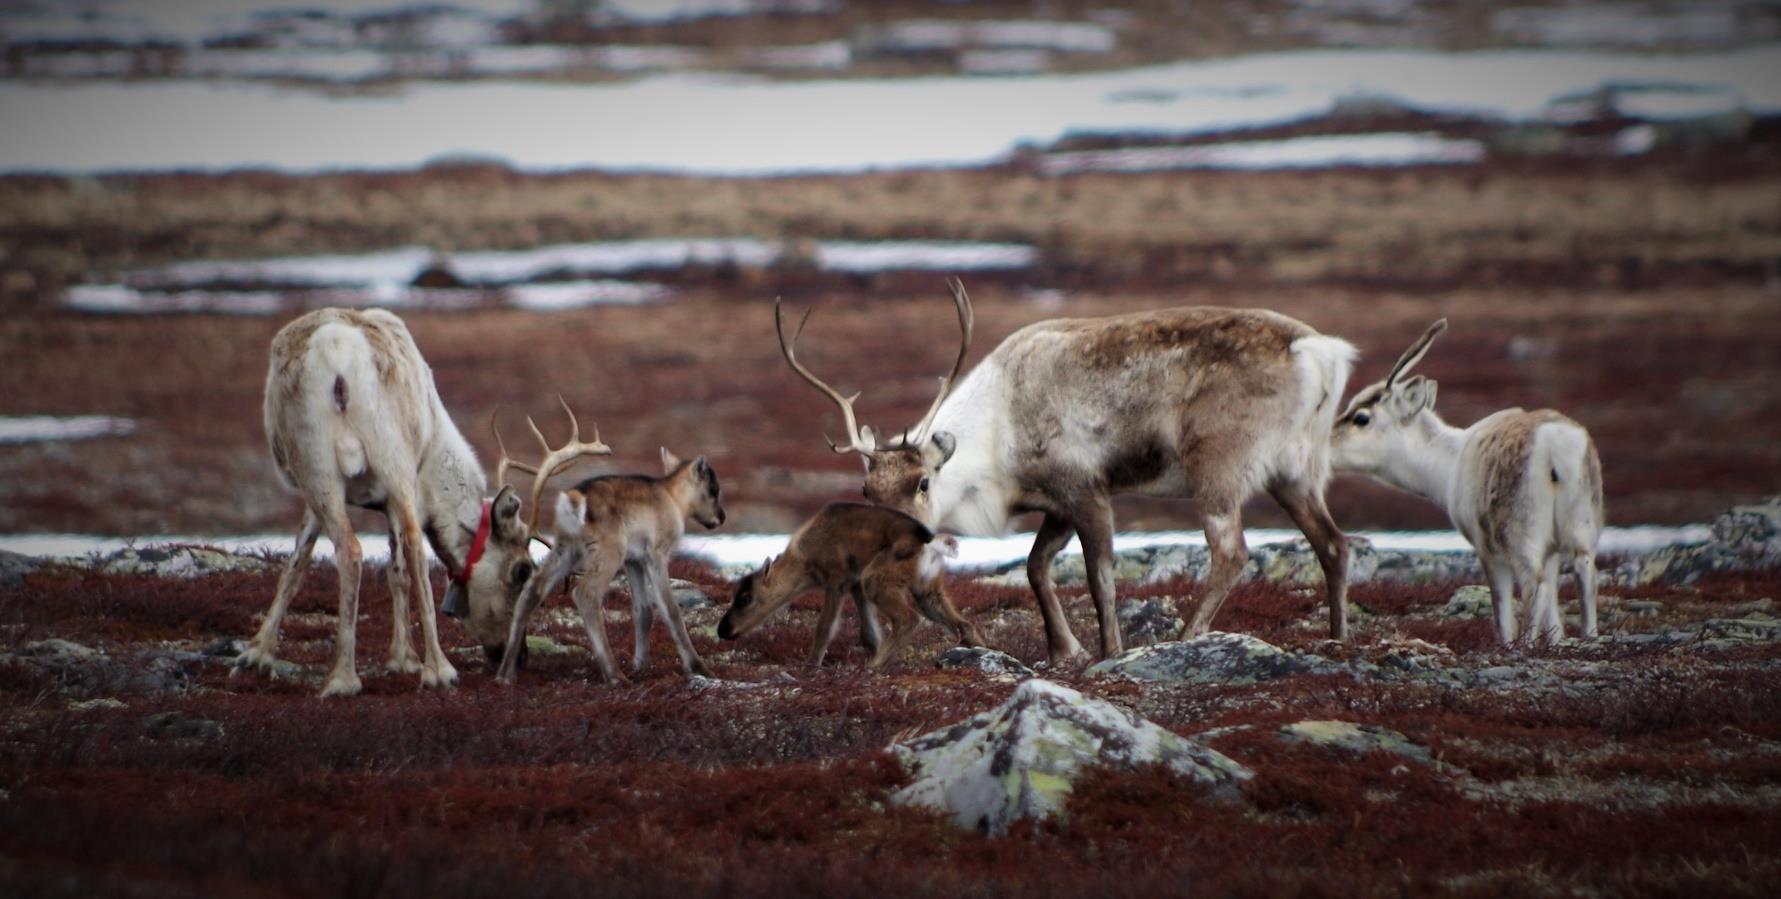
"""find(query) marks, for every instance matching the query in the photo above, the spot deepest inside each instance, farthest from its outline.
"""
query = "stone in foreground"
(982, 658)
(1022, 758)
(1214, 658)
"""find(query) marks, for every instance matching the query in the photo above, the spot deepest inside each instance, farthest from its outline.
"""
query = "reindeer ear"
(702, 466)
(868, 440)
(945, 444)
(1411, 396)
(669, 461)
(504, 517)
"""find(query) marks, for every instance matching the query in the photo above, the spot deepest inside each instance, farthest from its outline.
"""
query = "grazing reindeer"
(353, 418)
(628, 521)
(1524, 487)
(1202, 402)
(886, 560)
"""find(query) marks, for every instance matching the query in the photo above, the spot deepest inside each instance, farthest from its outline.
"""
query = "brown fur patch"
(1503, 450)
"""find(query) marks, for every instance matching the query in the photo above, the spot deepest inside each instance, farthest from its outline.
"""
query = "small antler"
(556, 460)
(967, 319)
(859, 440)
(1415, 353)
(506, 461)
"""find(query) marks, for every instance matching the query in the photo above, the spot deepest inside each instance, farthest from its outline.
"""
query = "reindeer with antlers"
(1524, 487)
(353, 419)
(607, 523)
(1196, 402)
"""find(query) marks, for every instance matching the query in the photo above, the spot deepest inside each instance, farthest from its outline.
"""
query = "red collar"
(481, 540)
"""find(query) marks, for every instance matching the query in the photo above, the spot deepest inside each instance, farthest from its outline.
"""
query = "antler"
(506, 461)
(859, 440)
(967, 319)
(1416, 351)
(555, 461)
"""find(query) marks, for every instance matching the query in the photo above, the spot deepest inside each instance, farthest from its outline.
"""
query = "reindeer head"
(485, 599)
(899, 476)
(1381, 416)
(696, 482)
(751, 605)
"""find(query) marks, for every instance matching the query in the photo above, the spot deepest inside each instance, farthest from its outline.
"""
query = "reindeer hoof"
(254, 657)
(698, 667)
(439, 677)
(402, 665)
(342, 684)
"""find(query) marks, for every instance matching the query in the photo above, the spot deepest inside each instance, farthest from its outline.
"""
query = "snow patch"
(40, 428)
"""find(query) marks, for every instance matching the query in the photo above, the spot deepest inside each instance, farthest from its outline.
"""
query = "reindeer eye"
(923, 486)
(1361, 418)
(520, 573)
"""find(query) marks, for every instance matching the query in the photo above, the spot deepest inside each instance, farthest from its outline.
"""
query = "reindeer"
(353, 418)
(886, 560)
(1525, 488)
(620, 521)
(1202, 402)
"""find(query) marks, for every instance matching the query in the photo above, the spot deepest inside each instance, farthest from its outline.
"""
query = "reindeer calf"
(1524, 487)
(628, 521)
(886, 560)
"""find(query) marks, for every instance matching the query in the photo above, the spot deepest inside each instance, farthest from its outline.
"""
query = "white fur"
(1414, 450)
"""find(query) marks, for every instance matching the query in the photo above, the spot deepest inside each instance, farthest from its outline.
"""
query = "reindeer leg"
(1552, 629)
(402, 660)
(871, 636)
(683, 643)
(1584, 564)
(1313, 519)
(938, 608)
(901, 617)
(343, 679)
(1095, 526)
(260, 650)
(437, 670)
(1502, 597)
(1054, 532)
(543, 583)
(828, 621)
(1224, 536)
(606, 560)
(642, 614)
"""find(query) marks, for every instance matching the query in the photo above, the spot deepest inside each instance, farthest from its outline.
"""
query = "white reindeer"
(1195, 402)
(353, 418)
(1524, 487)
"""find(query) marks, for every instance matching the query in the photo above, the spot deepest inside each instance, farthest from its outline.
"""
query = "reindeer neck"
(453, 489)
(1425, 462)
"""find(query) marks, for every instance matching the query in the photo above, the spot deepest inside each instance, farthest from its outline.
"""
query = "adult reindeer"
(1195, 402)
(353, 419)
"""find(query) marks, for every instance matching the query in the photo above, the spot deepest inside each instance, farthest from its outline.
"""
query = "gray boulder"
(179, 561)
(689, 595)
(1148, 621)
(1356, 738)
(14, 567)
(979, 658)
(1022, 759)
(1215, 658)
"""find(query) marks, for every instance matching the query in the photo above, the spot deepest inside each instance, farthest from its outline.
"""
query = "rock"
(1752, 531)
(1149, 621)
(71, 668)
(1470, 601)
(180, 726)
(689, 595)
(1415, 656)
(988, 661)
(14, 567)
(1022, 759)
(540, 645)
(178, 561)
(225, 648)
(58, 647)
(1353, 737)
(103, 703)
(1216, 658)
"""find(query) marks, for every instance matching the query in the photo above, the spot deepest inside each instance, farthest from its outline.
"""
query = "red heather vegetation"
(1662, 781)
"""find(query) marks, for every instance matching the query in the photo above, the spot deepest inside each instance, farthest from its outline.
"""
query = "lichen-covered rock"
(689, 595)
(1353, 737)
(179, 561)
(1021, 759)
(1752, 531)
(14, 567)
(1215, 658)
(1470, 601)
(1144, 622)
(988, 661)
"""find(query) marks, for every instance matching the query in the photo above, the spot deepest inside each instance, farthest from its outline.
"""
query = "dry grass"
(1607, 224)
